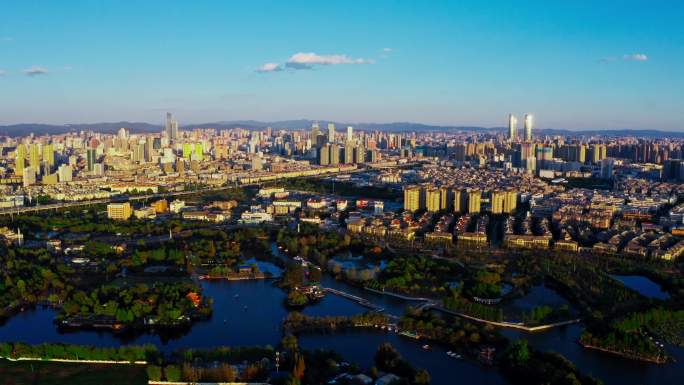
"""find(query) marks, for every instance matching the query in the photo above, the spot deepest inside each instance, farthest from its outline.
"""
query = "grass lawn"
(57, 373)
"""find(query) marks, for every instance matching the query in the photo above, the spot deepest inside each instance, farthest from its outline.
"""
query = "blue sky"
(574, 64)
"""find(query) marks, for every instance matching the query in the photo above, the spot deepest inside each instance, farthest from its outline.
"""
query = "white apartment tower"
(512, 127)
(529, 124)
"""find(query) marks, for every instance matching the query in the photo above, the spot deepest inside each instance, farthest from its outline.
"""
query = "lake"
(259, 324)
(642, 285)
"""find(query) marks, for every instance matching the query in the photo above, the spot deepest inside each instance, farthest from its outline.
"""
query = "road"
(56, 206)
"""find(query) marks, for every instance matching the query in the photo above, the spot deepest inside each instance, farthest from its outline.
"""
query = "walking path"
(75, 361)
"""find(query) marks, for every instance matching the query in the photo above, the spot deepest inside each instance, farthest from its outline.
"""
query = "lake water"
(643, 285)
(259, 324)
(536, 296)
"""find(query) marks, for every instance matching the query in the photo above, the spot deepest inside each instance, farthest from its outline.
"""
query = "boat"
(427, 347)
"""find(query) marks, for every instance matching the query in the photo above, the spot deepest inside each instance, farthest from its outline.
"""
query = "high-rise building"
(331, 132)
(474, 201)
(49, 154)
(64, 173)
(458, 201)
(607, 168)
(413, 198)
(529, 122)
(29, 177)
(34, 156)
(512, 127)
(324, 155)
(445, 200)
(432, 199)
(359, 154)
(20, 161)
(497, 201)
(315, 131)
(91, 159)
(334, 154)
(171, 127)
(510, 201)
(350, 133)
(349, 153)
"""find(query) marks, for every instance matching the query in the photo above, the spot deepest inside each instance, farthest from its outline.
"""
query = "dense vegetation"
(296, 322)
(417, 275)
(60, 373)
(79, 352)
(522, 365)
(631, 345)
(161, 303)
(454, 331)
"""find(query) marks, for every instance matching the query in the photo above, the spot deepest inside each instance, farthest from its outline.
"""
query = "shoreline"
(624, 355)
(75, 361)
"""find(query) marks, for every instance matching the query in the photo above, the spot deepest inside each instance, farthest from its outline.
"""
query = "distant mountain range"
(140, 127)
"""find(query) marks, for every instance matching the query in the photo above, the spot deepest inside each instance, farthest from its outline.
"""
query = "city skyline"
(578, 66)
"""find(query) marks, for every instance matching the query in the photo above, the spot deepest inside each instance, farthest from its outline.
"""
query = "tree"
(386, 357)
(519, 353)
(289, 342)
(153, 373)
(299, 366)
(172, 373)
(422, 377)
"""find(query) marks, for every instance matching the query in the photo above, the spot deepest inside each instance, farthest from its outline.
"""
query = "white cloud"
(269, 67)
(35, 71)
(306, 60)
(635, 57)
(387, 50)
(68, 68)
(626, 57)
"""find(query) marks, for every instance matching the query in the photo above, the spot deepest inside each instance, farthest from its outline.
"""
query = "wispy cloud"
(3, 73)
(269, 67)
(635, 57)
(310, 60)
(307, 60)
(6, 39)
(640, 57)
(387, 50)
(35, 71)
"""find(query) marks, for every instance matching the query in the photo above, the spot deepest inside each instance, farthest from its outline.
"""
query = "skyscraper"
(350, 133)
(529, 123)
(91, 159)
(512, 127)
(413, 198)
(315, 131)
(49, 154)
(34, 156)
(331, 132)
(20, 162)
(171, 127)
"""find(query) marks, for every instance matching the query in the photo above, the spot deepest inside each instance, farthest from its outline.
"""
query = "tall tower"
(350, 133)
(34, 156)
(20, 163)
(315, 130)
(171, 127)
(529, 123)
(512, 127)
(331, 132)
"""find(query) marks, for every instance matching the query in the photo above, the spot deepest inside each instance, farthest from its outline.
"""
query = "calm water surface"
(251, 312)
